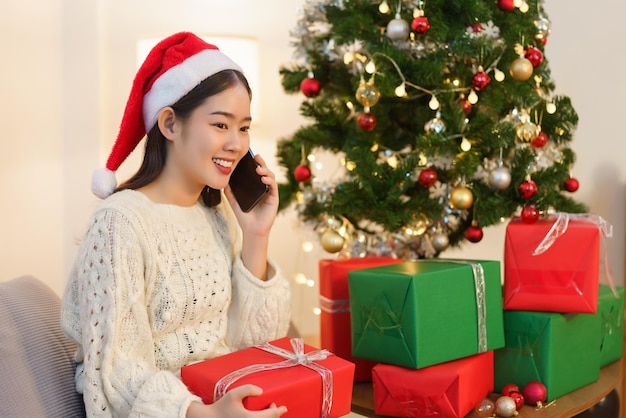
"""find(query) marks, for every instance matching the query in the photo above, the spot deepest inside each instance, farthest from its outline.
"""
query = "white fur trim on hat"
(180, 80)
(103, 182)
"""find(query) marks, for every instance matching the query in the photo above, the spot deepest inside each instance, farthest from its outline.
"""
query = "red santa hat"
(172, 69)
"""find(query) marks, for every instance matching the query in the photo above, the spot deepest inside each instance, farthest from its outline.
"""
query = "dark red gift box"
(450, 389)
(564, 278)
(335, 330)
(296, 383)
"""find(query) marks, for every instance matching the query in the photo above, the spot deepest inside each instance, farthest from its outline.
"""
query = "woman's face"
(213, 140)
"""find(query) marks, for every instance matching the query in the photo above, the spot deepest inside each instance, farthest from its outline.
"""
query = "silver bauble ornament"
(505, 407)
(332, 242)
(543, 27)
(440, 241)
(435, 125)
(499, 178)
(398, 29)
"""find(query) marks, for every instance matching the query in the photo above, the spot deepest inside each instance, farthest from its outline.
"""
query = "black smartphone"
(246, 183)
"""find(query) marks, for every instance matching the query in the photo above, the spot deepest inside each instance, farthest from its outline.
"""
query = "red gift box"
(562, 278)
(291, 373)
(335, 330)
(450, 389)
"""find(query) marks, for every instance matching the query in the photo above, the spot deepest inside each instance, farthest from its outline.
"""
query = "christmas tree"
(441, 115)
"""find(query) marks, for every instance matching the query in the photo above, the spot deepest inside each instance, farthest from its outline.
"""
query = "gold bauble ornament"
(528, 131)
(521, 69)
(332, 242)
(461, 198)
(368, 94)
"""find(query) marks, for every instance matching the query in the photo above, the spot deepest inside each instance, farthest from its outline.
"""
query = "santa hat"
(172, 69)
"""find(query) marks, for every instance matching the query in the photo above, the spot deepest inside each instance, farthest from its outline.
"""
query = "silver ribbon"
(481, 298)
(296, 358)
(334, 305)
(559, 228)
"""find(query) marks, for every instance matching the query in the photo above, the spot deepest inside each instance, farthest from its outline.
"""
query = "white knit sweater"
(155, 287)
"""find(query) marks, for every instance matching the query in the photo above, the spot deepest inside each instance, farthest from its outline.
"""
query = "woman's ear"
(168, 123)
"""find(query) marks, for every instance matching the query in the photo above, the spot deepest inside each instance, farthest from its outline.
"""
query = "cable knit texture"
(155, 287)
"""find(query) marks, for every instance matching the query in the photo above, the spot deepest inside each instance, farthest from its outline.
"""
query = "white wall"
(69, 64)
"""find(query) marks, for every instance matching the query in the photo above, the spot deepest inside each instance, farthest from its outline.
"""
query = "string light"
(384, 7)
(466, 145)
(370, 67)
(401, 90)
(472, 97)
(550, 108)
(434, 103)
(498, 75)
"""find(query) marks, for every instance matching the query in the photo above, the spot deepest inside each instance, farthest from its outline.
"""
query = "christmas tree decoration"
(540, 140)
(440, 241)
(461, 198)
(518, 398)
(474, 233)
(398, 29)
(332, 241)
(420, 24)
(367, 121)
(509, 388)
(505, 407)
(527, 189)
(534, 55)
(530, 214)
(506, 5)
(435, 109)
(485, 409)
(481, 79)
(500, 177)
(535, 393)
(310, 86)
(302, 173)
(427, 177)
(521, 69)
(571, 185)
(367, 94)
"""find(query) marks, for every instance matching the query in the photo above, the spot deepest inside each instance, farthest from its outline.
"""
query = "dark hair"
(155, 153)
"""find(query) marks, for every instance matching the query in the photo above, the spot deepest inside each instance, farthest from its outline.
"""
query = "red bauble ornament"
(474, 233)
(427, 177)
(508, 388)
(310, 87)
(540, 140)
(367, 121)
(420, 24)
(476, 27)
(480, 80)
(302, 173)
(467, 107)
(535, 393)
(530, 214)
(571, 185)
(534, 55)
(518, 398)
(506, 5)
(528, 189)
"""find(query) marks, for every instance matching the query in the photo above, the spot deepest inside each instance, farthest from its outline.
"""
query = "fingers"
(244, 391)
(263, 170)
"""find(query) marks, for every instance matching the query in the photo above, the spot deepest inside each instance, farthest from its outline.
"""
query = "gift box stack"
(561, 325)
(426, 330)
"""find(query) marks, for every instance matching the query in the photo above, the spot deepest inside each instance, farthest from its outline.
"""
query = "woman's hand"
(231, 406)
(257, 224)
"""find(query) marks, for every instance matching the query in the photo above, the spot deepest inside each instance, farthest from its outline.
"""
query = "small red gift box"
(335, 331)
(311, 383)
(450, 389)
(552, 266)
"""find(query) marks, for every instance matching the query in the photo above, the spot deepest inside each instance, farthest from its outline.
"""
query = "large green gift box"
(554, 348)
(425, 312)
(611, 312)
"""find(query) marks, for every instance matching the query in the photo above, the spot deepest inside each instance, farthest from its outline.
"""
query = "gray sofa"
(36, 367)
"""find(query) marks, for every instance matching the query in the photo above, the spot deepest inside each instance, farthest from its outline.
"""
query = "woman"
(169, 272)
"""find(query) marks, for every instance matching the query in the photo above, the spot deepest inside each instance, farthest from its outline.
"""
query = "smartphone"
(246, 183)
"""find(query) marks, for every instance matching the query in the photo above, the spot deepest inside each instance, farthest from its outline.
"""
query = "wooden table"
(564, 407)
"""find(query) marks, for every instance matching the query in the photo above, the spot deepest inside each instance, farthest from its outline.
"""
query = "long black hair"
(155, 153)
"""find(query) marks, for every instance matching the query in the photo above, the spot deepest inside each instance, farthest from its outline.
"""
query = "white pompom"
(103, 182)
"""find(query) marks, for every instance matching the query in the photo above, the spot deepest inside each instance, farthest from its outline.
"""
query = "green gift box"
(425, 312)
(611, 313)
(552, 348)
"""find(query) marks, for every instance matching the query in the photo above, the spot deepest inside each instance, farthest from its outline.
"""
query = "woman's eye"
(220, 125)
(245, 129)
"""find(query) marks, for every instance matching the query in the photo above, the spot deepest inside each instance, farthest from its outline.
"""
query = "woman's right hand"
(231, 406)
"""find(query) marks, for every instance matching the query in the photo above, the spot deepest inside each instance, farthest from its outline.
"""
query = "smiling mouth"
(223, 163)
